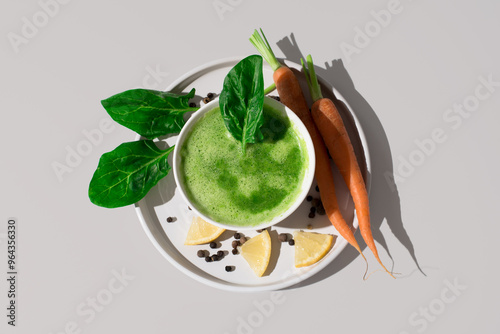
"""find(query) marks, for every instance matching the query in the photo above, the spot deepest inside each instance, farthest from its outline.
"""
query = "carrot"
(291, 95)
(332, 129)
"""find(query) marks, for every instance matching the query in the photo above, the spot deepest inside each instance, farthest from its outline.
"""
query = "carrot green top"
(312, 80)
(262, 45)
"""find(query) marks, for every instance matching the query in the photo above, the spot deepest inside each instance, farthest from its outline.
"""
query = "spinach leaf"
(150, 113)
(242, 100)
(126, 174)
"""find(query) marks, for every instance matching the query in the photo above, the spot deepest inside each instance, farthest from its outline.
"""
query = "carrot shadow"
(385, 202)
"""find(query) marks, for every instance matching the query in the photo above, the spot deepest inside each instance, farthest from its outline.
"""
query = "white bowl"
(307, 180)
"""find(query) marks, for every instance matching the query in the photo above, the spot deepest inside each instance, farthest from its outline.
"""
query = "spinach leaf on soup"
(126, 174)
(150, 113)
(242, 100)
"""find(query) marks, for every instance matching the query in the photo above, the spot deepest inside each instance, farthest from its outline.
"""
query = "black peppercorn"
(316, 202)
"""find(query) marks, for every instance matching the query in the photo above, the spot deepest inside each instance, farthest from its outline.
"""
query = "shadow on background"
(384, 199)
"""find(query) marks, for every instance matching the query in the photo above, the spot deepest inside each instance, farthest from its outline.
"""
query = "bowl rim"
(307, 180)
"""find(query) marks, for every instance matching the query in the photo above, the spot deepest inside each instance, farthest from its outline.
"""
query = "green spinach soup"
(243, 189)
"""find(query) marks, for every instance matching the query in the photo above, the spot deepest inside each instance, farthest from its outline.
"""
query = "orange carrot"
(291, 95)
(332, 129)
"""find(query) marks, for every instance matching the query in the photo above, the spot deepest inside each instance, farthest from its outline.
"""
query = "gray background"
(431, 56)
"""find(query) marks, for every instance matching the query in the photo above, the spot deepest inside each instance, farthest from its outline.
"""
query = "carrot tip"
(385, 269)
(389, 272)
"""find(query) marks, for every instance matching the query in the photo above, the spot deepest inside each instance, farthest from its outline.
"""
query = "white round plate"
(164, 201)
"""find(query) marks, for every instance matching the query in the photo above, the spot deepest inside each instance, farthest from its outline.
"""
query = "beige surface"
(84, 269)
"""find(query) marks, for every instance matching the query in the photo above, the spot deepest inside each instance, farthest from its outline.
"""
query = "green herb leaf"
(126, 174)
(150, 113)
(242, 100)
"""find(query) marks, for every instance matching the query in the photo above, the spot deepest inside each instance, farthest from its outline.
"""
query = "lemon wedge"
(257, 252)
(310, 247)
(202, 232)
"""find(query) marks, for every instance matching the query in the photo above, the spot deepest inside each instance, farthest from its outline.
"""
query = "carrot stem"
(312, 79)
(270, 88)
(264, 49)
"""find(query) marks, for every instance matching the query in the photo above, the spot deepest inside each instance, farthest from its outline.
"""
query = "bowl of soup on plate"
(247, 190)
